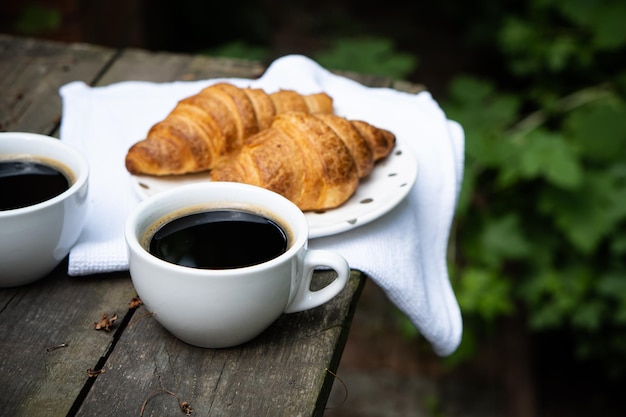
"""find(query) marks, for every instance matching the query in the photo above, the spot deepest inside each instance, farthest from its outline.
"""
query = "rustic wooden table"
(52, 360)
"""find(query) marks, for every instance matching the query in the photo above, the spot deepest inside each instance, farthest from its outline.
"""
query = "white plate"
(386, 186)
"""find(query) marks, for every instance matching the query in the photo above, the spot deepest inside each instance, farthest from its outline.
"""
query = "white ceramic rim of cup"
(133, 241)
(82, 174)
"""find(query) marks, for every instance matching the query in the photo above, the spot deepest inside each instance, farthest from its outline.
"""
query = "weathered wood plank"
(141, 65)
(36, 375)
(31, 73)
(368, 80)
(58, 309)
(408, 87)
(383, 82)
(283, 372)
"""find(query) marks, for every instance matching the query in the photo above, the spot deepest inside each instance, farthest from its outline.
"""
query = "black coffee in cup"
(27, 182)
(219, 239)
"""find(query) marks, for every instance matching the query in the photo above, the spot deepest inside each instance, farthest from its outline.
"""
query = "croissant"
(314, 160)
(212, 124)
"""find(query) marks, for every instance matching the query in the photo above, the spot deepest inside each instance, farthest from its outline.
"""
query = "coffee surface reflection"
(25, 183)
(219, 239)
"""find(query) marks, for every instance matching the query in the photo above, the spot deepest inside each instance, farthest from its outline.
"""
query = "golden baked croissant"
(314, 160)
(207, 126)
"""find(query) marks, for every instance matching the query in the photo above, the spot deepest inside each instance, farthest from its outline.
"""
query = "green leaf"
(484, 293)
(555, 297)
(579, 11)
(517, 35)
(560, 52)
(599, 129)
(503, 239)
(466, 90)
(538, 291)
(467, 189)
(36, 19)
(475, 102)
(610, 31)
(589, 314)
(543, 154)
(604, 19)
(369, 55)
(484, 115)
(618, 245)
(613, 285)
(590, 213)
(239, 49)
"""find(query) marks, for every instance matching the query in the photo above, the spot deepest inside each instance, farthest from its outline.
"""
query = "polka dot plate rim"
(388, 184)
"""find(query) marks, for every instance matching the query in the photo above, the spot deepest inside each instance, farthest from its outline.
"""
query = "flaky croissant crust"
(314, 160)
(208, 126)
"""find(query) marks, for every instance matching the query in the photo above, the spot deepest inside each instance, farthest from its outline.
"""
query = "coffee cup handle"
(305, 298)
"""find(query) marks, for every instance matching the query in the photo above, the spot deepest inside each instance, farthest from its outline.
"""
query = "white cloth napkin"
(404, 251)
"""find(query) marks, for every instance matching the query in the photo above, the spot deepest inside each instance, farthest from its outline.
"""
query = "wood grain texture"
(141, 65)
(58, 309)
(31, 73)
(37, 376)
(283, 372)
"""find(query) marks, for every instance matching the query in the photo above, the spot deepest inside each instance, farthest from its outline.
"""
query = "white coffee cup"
(34, 239)
(216, 308)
